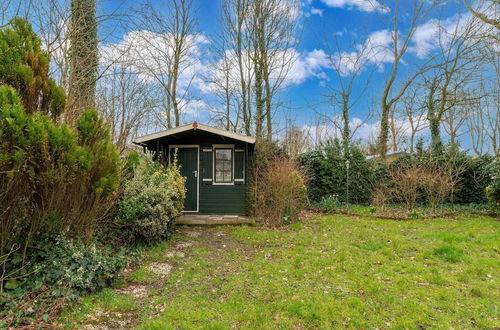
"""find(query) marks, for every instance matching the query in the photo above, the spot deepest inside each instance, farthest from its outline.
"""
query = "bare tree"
(483, 14)
(414, 113)
(52, 19)
(272, 23)
(234, 50)
(296, 140)
(348, 67)
(397, 130)
(164, 51)
(14, 8)
(398, 48)
(455, 117)
(483, 121)
(126, 102)
(458, 63)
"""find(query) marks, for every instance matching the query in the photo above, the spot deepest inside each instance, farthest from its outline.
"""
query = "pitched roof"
(194, 126)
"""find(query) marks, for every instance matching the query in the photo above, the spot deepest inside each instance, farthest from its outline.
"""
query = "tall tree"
(164, 52)
(400, 43)
(343, 95)
(235, 51)
(273, 26)
(126, 103)
(484, 14)
(84, 59)
(457, 65)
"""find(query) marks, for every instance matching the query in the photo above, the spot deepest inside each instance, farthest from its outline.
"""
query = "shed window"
(223, 165)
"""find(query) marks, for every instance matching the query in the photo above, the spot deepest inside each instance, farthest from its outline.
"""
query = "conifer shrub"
(333, 172)
(493, 190)
(52, 179)
(24, 65)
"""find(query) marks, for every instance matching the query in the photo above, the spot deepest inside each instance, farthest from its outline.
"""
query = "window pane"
(223, 165)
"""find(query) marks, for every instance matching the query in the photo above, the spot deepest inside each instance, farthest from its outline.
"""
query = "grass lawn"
(328, 271)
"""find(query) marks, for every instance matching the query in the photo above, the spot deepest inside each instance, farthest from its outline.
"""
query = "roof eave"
(184, 128)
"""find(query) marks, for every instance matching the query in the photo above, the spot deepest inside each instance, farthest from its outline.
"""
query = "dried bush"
(277, 191)
(406, 184)
(437, 184)
(430, 182)
(381, 195)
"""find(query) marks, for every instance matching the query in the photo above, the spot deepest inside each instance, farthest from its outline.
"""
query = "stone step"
(200, 219)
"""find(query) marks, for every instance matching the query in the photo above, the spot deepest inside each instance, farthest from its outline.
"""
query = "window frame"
(216, 147)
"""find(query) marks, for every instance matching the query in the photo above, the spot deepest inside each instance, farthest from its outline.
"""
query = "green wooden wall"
(215, 199)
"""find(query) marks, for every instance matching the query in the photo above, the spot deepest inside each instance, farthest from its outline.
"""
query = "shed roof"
(194, 126)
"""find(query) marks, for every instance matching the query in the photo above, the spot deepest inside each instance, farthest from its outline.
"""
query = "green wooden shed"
(214, 162)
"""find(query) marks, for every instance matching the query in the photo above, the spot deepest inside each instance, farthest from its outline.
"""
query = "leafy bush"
(59, 269)
(277, 191)
(52, 179)
(329, 203)
(330, 174)
(473, 180)
(493, 190)
(152, 199)
(74, 265)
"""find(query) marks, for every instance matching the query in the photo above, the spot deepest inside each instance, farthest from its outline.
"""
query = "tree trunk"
(384, 131)
(346, 132)
(259, 103)
(84, 59)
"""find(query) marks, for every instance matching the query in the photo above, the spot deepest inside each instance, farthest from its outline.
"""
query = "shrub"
(52, 179)
(469, 175)
(73, 265)
(152, 199)
(329, 203)
(406, 183)
(277, 191)
(25, 66)
(59, 269)
(473, 180)
(328, 173)
(437, 184)
(493, 190)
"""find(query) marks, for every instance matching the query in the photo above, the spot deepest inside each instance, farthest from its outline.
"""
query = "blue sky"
(320, 22)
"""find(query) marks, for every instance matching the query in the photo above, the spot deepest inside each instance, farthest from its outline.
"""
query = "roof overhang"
(194, 126)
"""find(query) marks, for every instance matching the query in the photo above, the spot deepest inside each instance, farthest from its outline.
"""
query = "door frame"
(197, 147)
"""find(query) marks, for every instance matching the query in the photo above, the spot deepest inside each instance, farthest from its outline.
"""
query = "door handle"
(195, 174)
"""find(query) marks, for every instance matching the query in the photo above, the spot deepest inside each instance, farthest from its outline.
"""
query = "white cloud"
(193, 107)
(362, 5)
(435, 33)
(316, 11)
(308, 65)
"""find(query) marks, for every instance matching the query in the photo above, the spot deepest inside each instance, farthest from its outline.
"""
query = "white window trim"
(197, 146)
(244, 166)
(222, 146)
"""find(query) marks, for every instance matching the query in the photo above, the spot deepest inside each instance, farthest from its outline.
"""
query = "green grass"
(107, 300)
(334, 271)
(143, 275)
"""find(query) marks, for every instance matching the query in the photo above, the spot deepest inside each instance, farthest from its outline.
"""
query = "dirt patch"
(193, 234)
(160, 268)
(173, 254)
(109, 320)
(183, 245)
(138, 291)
